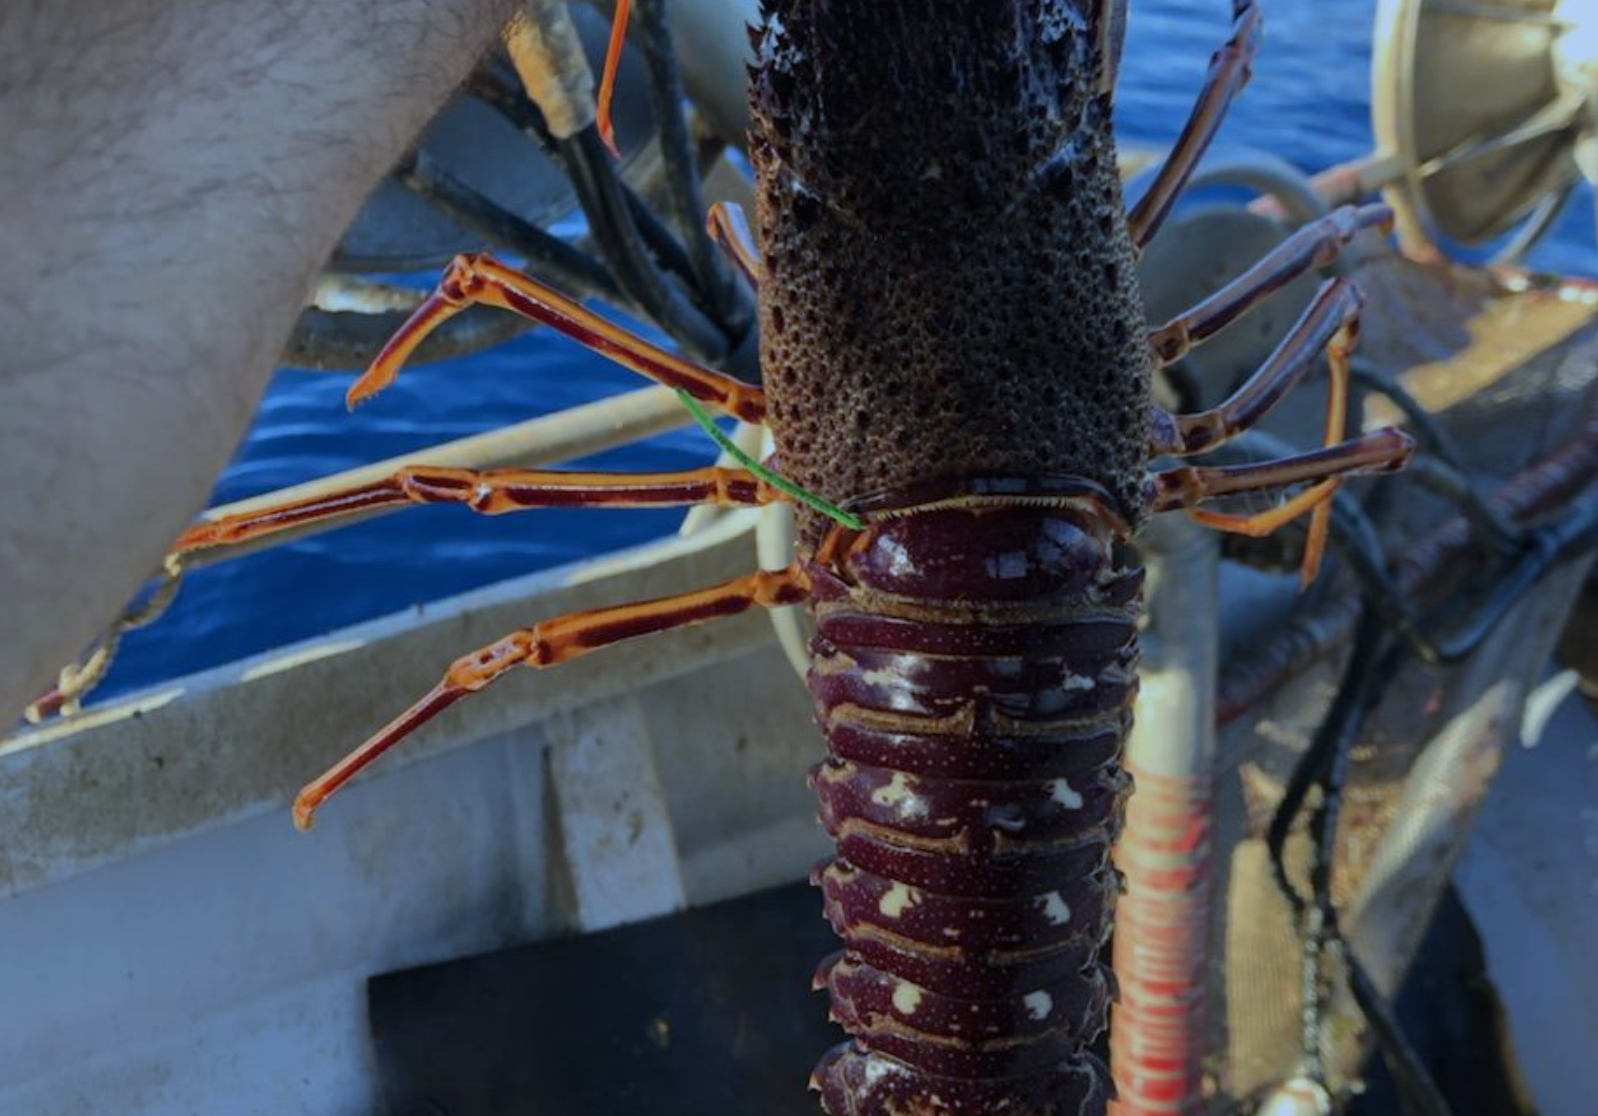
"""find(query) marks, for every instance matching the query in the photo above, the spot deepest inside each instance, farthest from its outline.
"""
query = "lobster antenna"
(783, 484)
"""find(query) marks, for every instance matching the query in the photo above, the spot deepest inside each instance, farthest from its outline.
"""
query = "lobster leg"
(1229, 72)
(1335, 308)
(555, 641)
(478, 279)
(729, 228)
(1317, 244)
(1318, 497)
(1184, 487)
(607, 83)
(494, 492)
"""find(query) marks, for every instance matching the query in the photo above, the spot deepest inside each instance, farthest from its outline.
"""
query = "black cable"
(503, 93)
(1342, 725)
(1540, 550)
(610, 220)
(1416, 1087)
(1319, 760)
(629, 235)
(1438, 476)
(600, 189)
(574, 271)
(1440, 445)
(685, 200)
(496, 86)
(1324, 766)
(1354, 538)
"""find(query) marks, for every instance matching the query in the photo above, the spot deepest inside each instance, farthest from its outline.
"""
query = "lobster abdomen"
(974, 674)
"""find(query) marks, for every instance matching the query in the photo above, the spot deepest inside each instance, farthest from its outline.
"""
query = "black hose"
(611, 221)
(574, 271)
(1324, 766)
(685, 199)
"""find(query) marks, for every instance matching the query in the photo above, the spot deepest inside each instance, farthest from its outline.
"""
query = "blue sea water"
(1308, 103)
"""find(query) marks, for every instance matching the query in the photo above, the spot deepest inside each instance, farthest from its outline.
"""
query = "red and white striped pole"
(1159, 1028)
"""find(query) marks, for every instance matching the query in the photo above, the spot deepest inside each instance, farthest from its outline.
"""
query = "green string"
(832, 511)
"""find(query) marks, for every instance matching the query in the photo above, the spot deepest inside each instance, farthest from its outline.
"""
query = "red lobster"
(954, 349)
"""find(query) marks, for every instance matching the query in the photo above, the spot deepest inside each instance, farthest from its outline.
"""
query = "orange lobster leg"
(1318, 496)
(1186, 486)
(473, 280)
(729, 228)
(1339, 353)
(1317, 244)
(1334, 311)
(556, 641)
(607, 83)
(1229, 72)
(494, 492)
(1381, 451)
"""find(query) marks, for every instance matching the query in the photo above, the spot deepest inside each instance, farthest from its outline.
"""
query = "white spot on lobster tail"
(1039, 1004)
(1061, 792)
(875, 1070)
(906, 998)
(900, 794)
(898, 899)
(1054, 908)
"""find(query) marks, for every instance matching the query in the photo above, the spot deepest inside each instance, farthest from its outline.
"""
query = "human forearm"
(175, 172)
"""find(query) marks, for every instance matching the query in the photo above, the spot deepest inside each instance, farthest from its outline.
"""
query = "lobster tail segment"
(860, 1084)
(974, 675)
(948, 281)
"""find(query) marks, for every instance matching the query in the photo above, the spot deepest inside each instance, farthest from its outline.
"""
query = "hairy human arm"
(174, 173)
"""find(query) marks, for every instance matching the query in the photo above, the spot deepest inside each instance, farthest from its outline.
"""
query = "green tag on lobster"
(831, 511)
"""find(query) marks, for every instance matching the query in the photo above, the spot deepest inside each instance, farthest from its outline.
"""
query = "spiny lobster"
(957, 365)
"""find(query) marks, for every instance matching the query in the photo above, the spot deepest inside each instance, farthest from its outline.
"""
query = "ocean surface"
(1308, 103)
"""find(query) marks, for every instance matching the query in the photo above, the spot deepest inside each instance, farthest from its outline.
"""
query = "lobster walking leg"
(1229, 72)
(494, 492)
(482, 280)
(1319, 496)
(607, 83)
(1185, 486)
(556, 641)
(729, 228)
(1317, 244)
(1335, 306)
